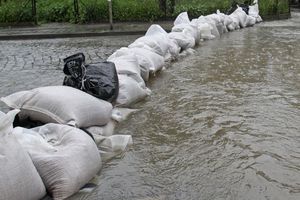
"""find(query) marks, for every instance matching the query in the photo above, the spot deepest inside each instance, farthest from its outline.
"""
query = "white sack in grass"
(60, 104)
(130, 91)
(254, 12)
(128, 65)
(65, 157)
(183, 40)
(19, 178)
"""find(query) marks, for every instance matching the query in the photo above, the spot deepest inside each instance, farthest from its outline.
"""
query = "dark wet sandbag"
(97, 79)
(101, 81)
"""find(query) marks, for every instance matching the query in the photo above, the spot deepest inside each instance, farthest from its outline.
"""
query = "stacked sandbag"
(60, 104)
(254, 12)
(183, 24)
(65, 157)
(19, 178)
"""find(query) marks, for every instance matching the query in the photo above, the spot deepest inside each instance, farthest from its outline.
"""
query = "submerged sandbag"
(130, 91)
(19, 178)
(65, 157)
(97, 79)
(60, 104)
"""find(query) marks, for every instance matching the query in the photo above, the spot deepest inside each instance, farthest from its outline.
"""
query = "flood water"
(223, 123)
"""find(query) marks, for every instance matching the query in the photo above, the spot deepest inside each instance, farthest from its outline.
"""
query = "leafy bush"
(123, 10)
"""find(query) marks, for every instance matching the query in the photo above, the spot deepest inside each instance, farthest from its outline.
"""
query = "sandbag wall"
(148, 54)
(67, 151)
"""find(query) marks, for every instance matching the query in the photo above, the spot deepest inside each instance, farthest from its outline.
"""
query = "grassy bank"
(123, 10)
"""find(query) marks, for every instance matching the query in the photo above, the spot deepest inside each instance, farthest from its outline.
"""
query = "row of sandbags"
(149, 53)
(62, 155)
(58, 157)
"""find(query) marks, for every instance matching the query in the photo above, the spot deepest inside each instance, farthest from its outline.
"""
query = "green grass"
(123, 10)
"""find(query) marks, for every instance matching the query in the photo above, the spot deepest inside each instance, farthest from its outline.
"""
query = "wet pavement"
(220, 124)
(67, 30)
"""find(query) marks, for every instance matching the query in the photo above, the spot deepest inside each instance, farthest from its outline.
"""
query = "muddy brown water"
(223, 123)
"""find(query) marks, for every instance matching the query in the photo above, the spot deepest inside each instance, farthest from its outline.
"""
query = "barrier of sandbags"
(19, 178)
(65, 105)
(65, 157)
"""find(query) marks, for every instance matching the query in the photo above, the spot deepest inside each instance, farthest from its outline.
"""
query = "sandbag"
(60, 104)
(65, 157)
(241, 16)
(144, 70)
(155, 40)
(149, 59)
(19, 178)
(110, 146)
(128, 65)
(130, 91)
(250, 21)
(97, 79)
(212, 23)
(183, 23)
(254, 12)
(184, 41)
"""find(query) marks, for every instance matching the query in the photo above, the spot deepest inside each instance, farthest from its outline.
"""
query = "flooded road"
(223, 123)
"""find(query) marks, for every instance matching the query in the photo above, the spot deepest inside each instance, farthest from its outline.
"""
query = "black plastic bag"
(98, 79)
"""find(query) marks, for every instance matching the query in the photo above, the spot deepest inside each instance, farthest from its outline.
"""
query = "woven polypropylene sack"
(66, 157)
(19, 178)
(61, 104)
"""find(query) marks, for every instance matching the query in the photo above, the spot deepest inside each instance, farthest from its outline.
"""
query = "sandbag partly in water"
(183, 40)
(97, 79)
(130, 91)
(19, 178)
(65, 157)
(128, 65)
(60, 104)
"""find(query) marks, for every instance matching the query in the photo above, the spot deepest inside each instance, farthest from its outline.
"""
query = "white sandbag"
(212, 23)
(106, 130)
(149, 59)
(143, 64)
(241, 16)
(128, 65)
(184, 41)
(130, 91)
(19, 178)
(235, 22)
(60, 104)
(250, 21)
(254, 12)
(225, 20)
(183, 24)
(113, 145)
(182, 18)
(66, 157)
(121, 114)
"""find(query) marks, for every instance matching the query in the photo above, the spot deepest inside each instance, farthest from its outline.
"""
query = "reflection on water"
(221, 124)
